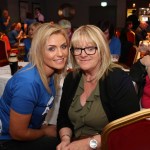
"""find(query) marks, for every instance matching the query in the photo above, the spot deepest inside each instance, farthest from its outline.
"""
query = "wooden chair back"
(3, 54)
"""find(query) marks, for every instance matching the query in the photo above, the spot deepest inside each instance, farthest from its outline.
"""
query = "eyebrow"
(61, 44)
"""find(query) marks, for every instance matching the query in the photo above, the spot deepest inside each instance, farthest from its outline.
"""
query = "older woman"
(96, 93)
(29, 94)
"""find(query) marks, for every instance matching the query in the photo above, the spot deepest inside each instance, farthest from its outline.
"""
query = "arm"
(137, 72)
(22, 125)
(67, 96)
(119, 95)
(65, 137)
(25, 27)
(146, 62)
(7, 21)
(81, 144)
(19, 129)
(19, 35)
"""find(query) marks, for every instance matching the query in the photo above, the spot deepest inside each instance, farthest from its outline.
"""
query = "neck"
(89, 79)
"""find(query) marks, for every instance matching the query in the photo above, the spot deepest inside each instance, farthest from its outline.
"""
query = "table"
(5, 75)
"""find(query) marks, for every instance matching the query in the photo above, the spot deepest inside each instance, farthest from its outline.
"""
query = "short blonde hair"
(34, 24)
(92, 34)
(38, 45)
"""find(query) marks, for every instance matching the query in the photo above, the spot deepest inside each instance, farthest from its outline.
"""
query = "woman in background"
(114, 42)
(27, 41)
(140, 73)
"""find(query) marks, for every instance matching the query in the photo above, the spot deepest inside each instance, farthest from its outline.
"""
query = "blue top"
(27, 43)
(29, 21)
(115, 46)
(12, 35)
(25, 94)
(2, 26)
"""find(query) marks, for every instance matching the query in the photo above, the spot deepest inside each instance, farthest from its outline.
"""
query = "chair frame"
(121, 122)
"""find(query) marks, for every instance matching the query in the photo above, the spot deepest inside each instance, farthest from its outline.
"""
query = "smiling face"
(31, 31)
(55, 54)
(88, 63)
(106, 33)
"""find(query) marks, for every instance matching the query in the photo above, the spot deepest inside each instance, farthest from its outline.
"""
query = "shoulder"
(71, 80)
(115, 72)
(116, 77)
(137, 72)
(28, 74)
(27, 40)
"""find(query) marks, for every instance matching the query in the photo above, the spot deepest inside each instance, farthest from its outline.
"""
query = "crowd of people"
(76, 71)
(18, 31)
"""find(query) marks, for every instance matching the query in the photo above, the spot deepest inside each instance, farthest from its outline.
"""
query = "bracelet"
(65, 135)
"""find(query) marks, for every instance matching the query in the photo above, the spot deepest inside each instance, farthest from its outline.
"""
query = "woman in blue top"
(27, 41)
(29, 94)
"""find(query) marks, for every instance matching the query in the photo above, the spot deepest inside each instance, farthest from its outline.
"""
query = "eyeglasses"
(88, 50)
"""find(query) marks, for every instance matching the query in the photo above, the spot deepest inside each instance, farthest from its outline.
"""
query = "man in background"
(5, 22)
(38, 15)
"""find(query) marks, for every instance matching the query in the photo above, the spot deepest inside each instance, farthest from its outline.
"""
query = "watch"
(93, 144)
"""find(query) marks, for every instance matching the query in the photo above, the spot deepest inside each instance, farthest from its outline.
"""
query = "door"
(98, 13)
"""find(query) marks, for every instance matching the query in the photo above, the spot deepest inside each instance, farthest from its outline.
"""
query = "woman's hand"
(83, 144)
(78, 145)
(65, 141)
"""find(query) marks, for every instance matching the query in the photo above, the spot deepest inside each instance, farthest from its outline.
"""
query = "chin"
(85, 68)
(59, 67)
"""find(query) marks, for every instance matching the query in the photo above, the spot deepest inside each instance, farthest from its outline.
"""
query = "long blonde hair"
(92, 34)
(40, 37)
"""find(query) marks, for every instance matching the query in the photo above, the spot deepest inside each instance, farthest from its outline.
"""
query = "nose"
(59, 52)
(83, 53)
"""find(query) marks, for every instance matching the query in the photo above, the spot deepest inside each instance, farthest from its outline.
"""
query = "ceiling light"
(103, 4)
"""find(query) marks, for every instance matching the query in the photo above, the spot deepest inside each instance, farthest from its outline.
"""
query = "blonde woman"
(96, 93)
(28, 40)
(29, 94)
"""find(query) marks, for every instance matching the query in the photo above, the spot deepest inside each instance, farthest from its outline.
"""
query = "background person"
(15, 34)
(97, 92)
(39, 16)
(29, 94)
(114, 42)
(28, 21)
(27, 41)
(134, 19)
(5, 22)
(140, 32)
(127, 38)
(66, 24)
(140, 73)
